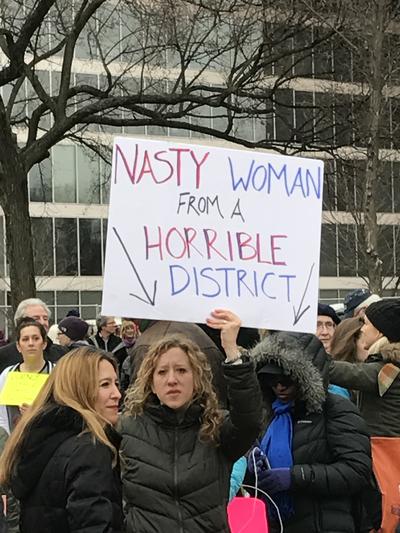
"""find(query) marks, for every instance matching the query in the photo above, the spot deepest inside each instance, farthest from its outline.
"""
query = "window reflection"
(90, 246)
(64, 174)
(66, 247)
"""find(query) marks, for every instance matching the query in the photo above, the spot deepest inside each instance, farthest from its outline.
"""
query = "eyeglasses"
(326, 325)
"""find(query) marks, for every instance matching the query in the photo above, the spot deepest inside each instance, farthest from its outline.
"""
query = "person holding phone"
(313, 456)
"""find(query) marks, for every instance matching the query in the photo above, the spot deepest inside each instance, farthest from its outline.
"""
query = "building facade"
(69, 191)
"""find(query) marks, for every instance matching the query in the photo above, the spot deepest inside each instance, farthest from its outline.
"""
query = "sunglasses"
(273, 380)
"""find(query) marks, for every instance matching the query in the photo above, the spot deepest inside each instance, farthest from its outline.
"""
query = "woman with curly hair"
(177, 447)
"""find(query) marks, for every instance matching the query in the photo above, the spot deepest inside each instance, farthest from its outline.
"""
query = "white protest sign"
(192, 228)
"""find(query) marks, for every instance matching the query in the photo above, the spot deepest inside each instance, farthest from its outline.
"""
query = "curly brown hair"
(138, 394)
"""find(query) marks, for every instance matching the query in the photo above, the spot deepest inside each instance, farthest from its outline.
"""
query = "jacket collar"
(164, 415)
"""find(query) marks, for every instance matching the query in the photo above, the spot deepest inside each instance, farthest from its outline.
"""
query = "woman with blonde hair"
(129, 333)
(61, 459)
(177, 447)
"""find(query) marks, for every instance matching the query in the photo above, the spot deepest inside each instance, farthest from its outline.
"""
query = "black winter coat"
(64, 480)
(172, 482)
(330, 446)
(9, 355)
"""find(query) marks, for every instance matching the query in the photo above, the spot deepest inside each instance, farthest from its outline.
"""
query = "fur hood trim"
(286, 351)
(391, 352)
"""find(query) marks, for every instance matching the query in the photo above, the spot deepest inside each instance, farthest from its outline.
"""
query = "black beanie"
(385, 316)
(73, 327)
(327, 310)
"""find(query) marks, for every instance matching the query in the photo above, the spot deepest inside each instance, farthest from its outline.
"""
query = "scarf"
(277, 446)
(128, 343)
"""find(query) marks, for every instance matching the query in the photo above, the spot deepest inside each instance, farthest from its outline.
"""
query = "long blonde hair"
(138, 394)
(74, 383)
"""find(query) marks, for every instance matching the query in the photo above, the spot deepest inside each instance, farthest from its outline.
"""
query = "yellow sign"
(21, 387)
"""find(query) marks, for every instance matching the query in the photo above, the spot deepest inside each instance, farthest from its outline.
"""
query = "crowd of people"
(158, 428)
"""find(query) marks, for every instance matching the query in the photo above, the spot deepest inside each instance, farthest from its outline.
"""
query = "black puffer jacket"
(172, 482)
(331, 448)
(65, 481)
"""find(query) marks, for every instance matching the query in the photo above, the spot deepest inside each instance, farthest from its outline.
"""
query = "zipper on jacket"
(317, 516)
(178, 507)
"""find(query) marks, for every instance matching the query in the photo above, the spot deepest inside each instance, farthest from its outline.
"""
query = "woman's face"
(173, 379)
(284, 388)
(30, 342)
(108, 394)
(369, 333)
(361, 351)
(129, 332)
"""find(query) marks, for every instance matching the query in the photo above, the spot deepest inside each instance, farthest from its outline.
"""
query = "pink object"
(247, 515)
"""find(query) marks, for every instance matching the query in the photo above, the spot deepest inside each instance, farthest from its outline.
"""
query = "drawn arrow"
(299, 313)
(148, 300)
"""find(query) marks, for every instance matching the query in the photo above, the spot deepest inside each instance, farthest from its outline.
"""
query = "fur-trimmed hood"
(303, 357)
(390, 351)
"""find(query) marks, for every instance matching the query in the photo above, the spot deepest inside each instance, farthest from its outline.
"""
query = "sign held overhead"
(194, 227)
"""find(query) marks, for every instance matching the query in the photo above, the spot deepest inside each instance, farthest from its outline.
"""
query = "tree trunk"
(15, 204)
(371, 229)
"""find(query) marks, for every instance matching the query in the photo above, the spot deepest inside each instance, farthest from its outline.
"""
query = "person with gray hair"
(33, 308)
(106, 339)
(39, 311)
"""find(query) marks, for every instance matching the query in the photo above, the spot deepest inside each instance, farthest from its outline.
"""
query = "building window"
(304, 112)
(2, 248)
(383, 194)
(105, 225)
(347, 250)
(64, 173)
(90, 304)
(40, 185)
(396, 186)
(323, 55)
(284, 110)
(324, 106)
(329, 200)
(386, 250)
(42, 240)
(90, 247)
(48, 298)
(66, 300)
(345, 185)
(66, 247)
(328, 256)
(302, 61)
(88, 169)
(341, 58)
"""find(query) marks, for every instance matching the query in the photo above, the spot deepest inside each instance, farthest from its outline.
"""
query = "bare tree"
(208, 66)
(365, 173)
